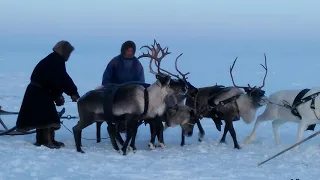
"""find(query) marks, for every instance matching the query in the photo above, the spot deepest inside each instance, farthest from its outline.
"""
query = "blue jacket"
(121, 70)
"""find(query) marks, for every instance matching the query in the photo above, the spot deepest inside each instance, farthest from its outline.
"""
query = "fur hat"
(64, 49)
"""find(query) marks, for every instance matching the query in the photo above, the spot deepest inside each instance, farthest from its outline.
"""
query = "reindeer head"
(163, 78)
(256, 94)
(183, 116)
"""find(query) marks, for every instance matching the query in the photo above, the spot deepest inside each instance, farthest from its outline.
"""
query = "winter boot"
(40, 139)
(60, 144)
(49, 139)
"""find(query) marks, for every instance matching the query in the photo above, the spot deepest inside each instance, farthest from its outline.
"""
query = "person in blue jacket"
(121, 69)
(125, 67)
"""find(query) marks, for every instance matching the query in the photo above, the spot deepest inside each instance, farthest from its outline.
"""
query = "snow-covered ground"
(206, 160)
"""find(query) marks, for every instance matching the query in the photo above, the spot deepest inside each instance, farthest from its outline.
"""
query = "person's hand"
(75, 97)
(59, 101)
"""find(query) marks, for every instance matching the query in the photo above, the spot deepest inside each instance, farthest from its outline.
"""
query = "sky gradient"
(203, 19)
(210, 33)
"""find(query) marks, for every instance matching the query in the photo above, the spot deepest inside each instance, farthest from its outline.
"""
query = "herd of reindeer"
(173, 100)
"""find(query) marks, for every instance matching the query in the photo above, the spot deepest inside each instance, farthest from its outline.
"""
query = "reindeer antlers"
(176, 66)
(155, 50)
(264, 67)
(231, 68)
(184, 78)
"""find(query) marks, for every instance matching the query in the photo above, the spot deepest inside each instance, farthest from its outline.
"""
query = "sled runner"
(12, 131)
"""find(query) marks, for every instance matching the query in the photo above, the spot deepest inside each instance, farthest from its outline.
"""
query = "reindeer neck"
(157, 97)
(247, 108)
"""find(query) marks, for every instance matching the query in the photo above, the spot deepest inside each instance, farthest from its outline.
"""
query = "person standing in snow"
(49, 80)
(124, 67)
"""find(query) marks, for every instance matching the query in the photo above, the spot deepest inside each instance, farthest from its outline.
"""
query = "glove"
(75, 97)
(59, 101)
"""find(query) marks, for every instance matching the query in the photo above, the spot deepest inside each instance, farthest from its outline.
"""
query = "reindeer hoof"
(182, 144)
(133, 149)
(248, 140)
(162, 145)
(237, 147)
(123, 152)
(151, 146)
(201, 136)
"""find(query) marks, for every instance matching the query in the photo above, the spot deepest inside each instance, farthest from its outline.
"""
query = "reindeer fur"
(128, 100)
(279, 115)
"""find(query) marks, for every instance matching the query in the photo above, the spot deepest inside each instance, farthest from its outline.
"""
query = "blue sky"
(242, 26)
(210, 33)
(202, 19)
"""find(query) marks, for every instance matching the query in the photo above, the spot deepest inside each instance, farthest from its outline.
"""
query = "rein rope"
(61, 122)
(68, 117)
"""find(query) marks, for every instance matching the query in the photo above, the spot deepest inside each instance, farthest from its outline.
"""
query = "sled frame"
(12, 131)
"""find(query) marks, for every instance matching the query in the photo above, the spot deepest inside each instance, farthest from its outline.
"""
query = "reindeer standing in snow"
(298, 106)
(227, 103)
(133, 100)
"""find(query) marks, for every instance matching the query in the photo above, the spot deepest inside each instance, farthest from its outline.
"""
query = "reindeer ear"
(247, 89)
(167, 80)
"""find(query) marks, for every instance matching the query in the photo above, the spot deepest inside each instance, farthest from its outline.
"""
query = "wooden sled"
(13, 132)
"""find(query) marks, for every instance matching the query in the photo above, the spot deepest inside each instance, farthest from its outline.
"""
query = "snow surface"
(206, 160)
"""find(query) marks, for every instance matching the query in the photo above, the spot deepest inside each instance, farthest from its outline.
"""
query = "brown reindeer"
(226, 103)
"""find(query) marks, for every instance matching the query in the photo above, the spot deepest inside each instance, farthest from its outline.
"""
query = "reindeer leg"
(302, 127)
(112, 133)
(126, 143)
(259, 120)
(153, 133)
(223, 139)
(183, 138)
(133, 139)
(98, 127)
(132, 120)
(275, 126)
(77, 131)
(201, 131)
(119, 120)
(119, 138)
(229, 125)
(159, 129)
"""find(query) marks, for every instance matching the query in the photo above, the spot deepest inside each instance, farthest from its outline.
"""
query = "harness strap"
(222, 103)
(195, 100)
(146, 102)
(297, 101)
(226, 101)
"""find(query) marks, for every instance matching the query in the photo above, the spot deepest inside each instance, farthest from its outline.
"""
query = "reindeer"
(177, 113)
(226, 103)
(132, 100)
(290, 106)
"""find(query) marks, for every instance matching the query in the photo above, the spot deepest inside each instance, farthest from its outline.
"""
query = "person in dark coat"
(49, 80)
(124, 67)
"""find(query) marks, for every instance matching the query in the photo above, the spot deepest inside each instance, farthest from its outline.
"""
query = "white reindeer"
(279, 110)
